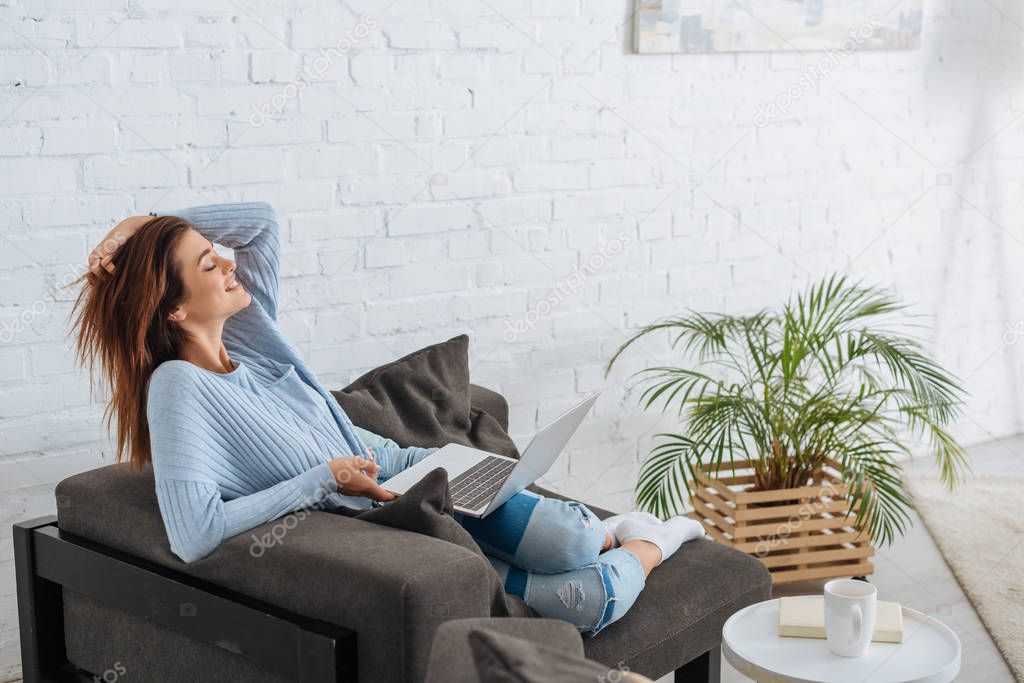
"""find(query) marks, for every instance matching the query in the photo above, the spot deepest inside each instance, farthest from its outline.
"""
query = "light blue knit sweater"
(233, 451)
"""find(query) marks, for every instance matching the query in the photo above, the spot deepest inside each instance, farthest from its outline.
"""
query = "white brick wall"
(444, 167)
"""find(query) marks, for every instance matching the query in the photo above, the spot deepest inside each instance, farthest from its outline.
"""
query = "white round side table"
(929, 653)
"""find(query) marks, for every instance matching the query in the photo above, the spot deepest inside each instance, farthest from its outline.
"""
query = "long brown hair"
(122, 325)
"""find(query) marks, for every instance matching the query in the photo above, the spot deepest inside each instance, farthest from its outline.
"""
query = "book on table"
(803, 616)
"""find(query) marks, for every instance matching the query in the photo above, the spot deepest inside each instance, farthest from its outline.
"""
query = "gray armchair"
(452, 661)
(341, 599)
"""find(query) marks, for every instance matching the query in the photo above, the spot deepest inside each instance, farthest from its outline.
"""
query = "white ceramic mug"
(850, 608)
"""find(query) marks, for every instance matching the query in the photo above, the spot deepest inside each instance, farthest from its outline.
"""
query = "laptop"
(480, 482)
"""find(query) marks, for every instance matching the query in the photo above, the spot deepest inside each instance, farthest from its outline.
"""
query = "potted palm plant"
(795, 422)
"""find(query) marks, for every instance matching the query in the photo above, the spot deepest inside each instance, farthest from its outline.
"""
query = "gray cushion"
(451, 660)
(425, 399)
(501, 657)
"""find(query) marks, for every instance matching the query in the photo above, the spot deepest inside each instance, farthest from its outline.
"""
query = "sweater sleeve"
(251, 230)
(198, 519)
(196, 516)
(391, 457)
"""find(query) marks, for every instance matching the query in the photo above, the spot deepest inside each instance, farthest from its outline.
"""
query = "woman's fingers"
(374, 490)
(365, 463)
(358, 477)
(380, 494)
(98, 263)
(101, 255)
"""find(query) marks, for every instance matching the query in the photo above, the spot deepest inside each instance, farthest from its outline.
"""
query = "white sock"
(613, 522)
(667, 535)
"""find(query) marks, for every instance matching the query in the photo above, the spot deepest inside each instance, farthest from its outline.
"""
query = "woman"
(240, 431)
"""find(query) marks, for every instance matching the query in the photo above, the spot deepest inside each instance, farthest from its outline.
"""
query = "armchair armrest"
(393, 587)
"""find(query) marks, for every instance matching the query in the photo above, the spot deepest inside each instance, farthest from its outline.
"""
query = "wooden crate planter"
(800, 534)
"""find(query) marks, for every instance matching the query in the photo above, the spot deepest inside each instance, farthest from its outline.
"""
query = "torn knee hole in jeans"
(587, 521)
(571, 594)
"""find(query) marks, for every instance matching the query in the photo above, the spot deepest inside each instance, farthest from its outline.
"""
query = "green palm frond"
(665, 474)
(877, 496)
(670, 381)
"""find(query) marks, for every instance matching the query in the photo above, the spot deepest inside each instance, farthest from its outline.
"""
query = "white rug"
(980, 532)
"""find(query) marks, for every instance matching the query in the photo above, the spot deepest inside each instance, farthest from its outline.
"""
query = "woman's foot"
(613, 522)
(667, 535)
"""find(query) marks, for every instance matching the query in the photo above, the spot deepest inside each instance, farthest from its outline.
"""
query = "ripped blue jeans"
(548, 552)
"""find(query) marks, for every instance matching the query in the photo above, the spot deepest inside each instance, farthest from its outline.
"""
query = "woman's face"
(211, 291)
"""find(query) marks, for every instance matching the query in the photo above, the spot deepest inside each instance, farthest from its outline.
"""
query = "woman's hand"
(357, 476)
(101, 256)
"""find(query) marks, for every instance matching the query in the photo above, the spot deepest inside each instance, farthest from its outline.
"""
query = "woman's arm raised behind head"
(251, 230)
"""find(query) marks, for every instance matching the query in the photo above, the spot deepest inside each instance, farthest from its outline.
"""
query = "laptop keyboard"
(480, 483)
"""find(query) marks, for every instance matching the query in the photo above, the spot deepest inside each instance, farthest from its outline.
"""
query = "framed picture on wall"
(696, 26)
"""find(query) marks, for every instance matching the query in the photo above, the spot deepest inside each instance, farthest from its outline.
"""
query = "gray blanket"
(426, 508)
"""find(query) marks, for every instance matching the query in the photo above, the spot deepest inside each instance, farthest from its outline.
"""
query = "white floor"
(914, 573)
